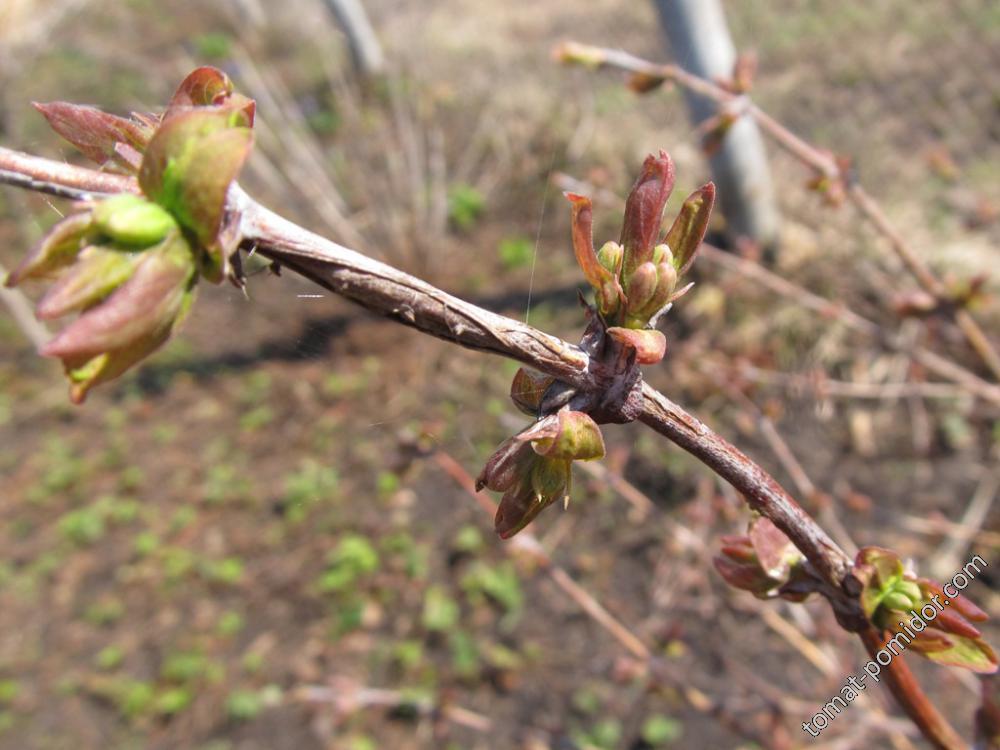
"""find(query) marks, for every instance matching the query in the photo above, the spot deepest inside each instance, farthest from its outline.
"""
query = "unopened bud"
(640, 288)
(132, 220)
(610, 256)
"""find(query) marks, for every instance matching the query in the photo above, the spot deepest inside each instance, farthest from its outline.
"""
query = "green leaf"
(189, 165)
(440, 610)
(688, 230)
(661, 730)
(58, 249)
(97, 272)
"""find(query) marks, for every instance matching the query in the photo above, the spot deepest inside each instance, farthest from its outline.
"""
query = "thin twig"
(822, 161)
(20, 308)
(829, 309)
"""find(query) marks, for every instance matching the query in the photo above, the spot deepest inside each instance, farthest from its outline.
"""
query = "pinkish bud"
(639, 289)
(644, 211)
(528, 388)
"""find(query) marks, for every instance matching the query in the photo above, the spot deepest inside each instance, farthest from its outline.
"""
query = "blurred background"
(257, 539)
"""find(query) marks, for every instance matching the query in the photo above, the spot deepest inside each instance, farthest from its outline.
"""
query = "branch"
(822, 161)
(417, 304)
(912, 699)
(747, 268)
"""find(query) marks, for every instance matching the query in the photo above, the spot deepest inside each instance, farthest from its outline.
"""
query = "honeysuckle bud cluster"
(896, 600)
(129, 263)
(763, 561)
(634, 281)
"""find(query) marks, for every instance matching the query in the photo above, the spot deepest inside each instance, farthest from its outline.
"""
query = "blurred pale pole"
(702, 45)
(365, 47)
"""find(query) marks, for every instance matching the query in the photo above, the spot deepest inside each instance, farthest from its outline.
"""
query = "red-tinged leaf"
(144, 306)
(55, 251)
(92, 131)
(518, 507)
(746, 577)
(644, 210)
(543, 484)
(967, 608)
(104, 367)
(577, 438)
(650, 345)
(203, 87)
(774, 550)
(604, 281)
(509, 462)
(528, 388)
(129, 156)
(970, 653)
(210, 87)
(97, 272)
(688, 230)
(954, 623)
(545, 428)
(189, 166)
(643, 83)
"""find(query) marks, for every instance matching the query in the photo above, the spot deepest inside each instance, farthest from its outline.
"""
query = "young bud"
(57, 250)
(639, 289)
(131, 220)
(898, 601)
(577, 437)
(644, 211)
(574, 53)
(528, 388)
(662, 254)
(610, 256)
(666, 280)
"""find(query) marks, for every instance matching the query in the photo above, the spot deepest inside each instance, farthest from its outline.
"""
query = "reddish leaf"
(606, 286)
(142, 307)
(644, 210)
(203, 87)
(650, 345)
(528, 388)
(94, 132)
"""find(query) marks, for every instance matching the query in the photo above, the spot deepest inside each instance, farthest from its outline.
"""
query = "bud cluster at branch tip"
(634, 281)
(129, 263)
